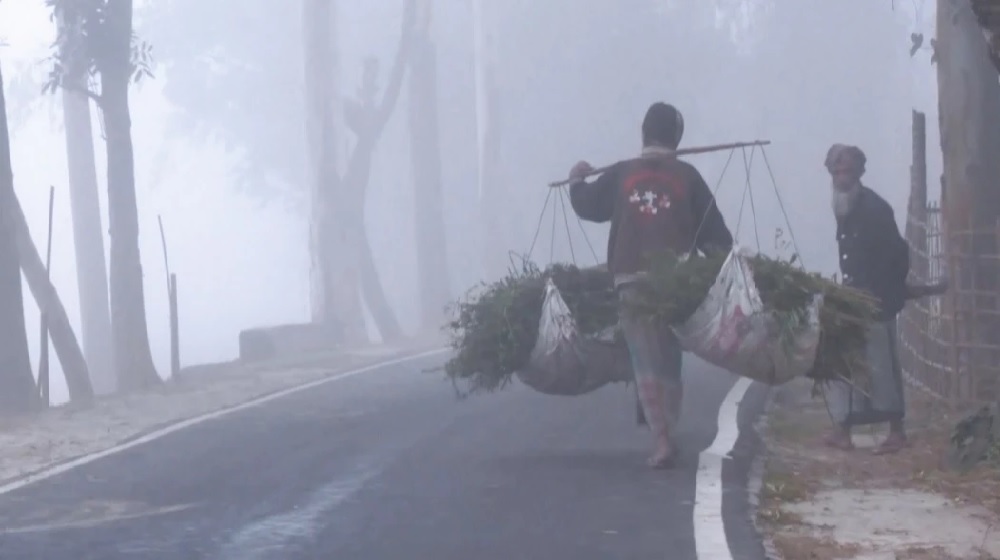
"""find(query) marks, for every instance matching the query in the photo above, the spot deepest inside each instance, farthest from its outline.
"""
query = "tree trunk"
(371, 288)
(338, 255)
(314, 67)
(425, 146)
(368, 120)
(63, 338)
(987, 14)
(494, 253)
(88, 236)
(335, 299)
(350, 217)
(969, 113)
(133, 360)
(17, 384)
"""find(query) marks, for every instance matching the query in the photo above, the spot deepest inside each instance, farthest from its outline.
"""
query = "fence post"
(175, 346)
(992, 351)
(951, 243)
(915, 318)
(917, 232)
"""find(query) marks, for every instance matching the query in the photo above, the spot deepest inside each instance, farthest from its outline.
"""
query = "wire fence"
(948, 344)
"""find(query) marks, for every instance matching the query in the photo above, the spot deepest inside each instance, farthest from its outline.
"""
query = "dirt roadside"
(821, 504)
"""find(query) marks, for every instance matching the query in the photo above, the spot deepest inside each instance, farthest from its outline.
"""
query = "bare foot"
(894, 443)
(662, 462)
(665, 457)
(839, 439)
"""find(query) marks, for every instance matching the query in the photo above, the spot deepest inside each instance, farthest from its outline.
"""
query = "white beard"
(843, 201)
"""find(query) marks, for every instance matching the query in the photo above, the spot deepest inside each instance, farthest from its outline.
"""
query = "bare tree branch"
(359, 167)
(94, 96)
(395, 84)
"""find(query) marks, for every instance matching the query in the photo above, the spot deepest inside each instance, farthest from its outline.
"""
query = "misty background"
(220, 142)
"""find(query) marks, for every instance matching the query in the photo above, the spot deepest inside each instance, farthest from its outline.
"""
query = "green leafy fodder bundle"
(676, 288)
(494, 328)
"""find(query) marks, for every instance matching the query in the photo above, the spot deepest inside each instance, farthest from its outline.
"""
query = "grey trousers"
(884, 402)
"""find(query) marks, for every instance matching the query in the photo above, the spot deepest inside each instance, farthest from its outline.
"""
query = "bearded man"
(875, 258)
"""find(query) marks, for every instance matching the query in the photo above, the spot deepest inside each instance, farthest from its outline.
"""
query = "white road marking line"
(183, 424)
(709, 528)
(269, 537)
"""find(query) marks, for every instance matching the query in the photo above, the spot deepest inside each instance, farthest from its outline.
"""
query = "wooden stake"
(175, 354)
(175, 344)
(680, 152)
(163, 241)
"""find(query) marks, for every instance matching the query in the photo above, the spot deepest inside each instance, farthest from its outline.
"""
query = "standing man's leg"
(882, 400)
(640, 416)
(656, 364)
(888, 399)
(841, 400)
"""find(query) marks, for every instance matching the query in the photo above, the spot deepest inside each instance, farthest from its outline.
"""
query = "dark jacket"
(654, 204)
(873, 255)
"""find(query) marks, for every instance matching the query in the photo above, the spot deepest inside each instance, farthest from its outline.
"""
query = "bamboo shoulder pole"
(680, 152)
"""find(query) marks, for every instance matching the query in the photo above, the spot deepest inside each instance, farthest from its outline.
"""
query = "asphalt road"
(389, 465)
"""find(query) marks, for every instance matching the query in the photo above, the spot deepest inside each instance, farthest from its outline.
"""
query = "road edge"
(739, 502)
(758, 469)
(152, 433)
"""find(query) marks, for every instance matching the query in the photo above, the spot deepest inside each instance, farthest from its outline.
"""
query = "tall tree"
(334, 295)
(108, 49)
(17, 385)
(88, 235)
(425, 146)
(969, 115)
(216, 92)
(346, 270)
(488, 137)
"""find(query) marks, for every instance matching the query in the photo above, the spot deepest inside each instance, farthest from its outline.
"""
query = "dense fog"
(220, 139)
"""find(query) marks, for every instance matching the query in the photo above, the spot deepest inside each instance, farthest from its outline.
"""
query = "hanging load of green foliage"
(494, 329)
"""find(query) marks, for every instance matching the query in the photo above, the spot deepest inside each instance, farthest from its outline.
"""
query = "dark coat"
(874, 257)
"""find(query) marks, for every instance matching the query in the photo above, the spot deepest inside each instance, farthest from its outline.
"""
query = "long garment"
(656, 364)
(883, 400)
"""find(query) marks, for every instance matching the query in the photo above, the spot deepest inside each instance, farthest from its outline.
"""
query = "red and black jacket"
(654, 203)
